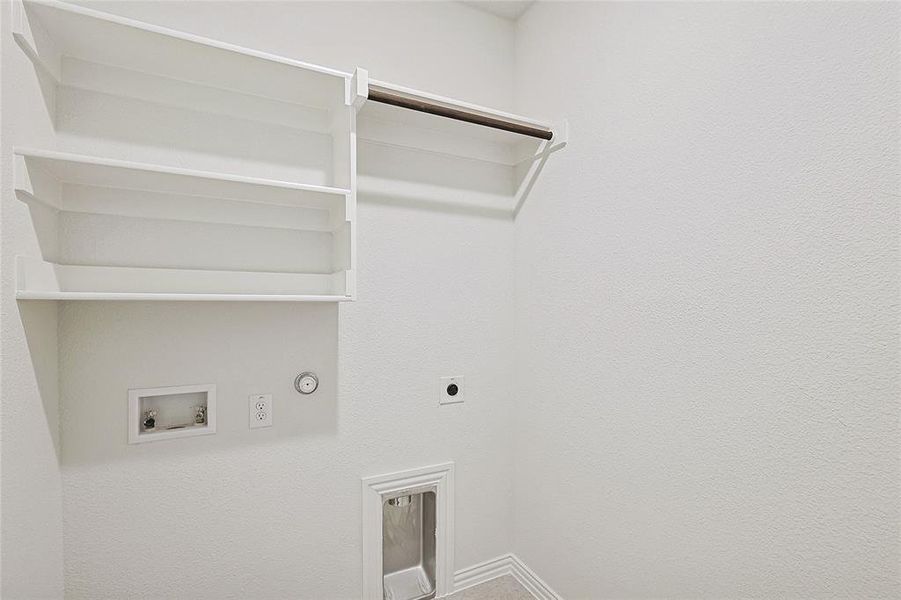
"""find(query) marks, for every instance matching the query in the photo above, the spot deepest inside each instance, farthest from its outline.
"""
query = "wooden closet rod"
(378, 95)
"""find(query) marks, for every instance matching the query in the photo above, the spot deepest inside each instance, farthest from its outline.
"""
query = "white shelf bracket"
(359, 88)
(22, 177)
(33, 183)
(537, 162)
(561, 136)
(35, 43)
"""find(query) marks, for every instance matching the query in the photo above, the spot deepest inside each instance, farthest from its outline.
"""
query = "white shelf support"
(35, 42)
(35, 184)
(358, 90)
(537, 162)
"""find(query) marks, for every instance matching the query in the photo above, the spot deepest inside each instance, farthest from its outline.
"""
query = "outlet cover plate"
(451, 390)
(259, 410)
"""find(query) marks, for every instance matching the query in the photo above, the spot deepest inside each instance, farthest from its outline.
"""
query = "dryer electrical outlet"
(259, 410)
(451, 390)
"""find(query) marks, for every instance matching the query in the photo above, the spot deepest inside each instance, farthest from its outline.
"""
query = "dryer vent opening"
(408, 546)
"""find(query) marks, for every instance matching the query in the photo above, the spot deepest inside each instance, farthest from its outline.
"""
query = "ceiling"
(506, 9)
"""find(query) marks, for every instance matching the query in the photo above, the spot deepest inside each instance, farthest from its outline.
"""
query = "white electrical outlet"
(259, 410)
(450, 390)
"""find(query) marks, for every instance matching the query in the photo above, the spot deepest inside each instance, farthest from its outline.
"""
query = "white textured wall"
(708, 273)
(31, 492)
(707, 277)
(276, 513)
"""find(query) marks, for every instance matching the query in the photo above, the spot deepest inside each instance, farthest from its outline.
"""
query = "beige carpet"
(502, 588)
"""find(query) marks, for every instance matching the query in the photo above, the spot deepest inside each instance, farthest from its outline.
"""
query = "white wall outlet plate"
(259, 410)
(451, 390)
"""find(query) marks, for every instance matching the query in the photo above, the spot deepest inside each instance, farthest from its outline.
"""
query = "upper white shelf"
(54, 33)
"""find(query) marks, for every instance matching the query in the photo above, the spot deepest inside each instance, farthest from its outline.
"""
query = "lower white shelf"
(41, 280)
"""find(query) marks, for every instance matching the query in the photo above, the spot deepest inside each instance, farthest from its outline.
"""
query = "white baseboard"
(532, 582)
(506, 564)
(484, 571)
